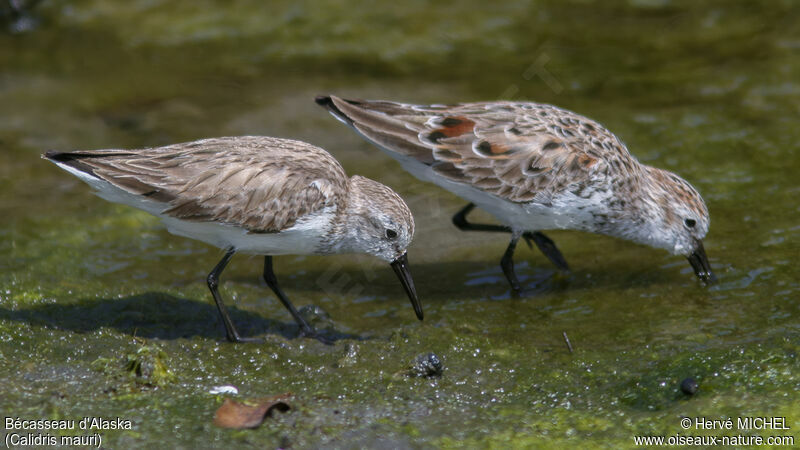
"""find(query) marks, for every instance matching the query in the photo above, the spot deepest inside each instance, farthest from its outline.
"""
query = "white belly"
(303, 238)
(515, 215)
(566, 211)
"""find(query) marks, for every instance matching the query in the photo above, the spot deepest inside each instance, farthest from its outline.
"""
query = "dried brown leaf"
(249, 414)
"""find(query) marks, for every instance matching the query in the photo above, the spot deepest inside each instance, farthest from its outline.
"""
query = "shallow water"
(708, 90)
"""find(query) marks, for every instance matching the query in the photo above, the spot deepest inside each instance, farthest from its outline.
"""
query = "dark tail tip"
(57, 156)
(324, 100)
(65, 157)
(71, 159)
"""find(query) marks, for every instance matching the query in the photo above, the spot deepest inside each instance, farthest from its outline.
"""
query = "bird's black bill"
(700, 264)
(400, 266)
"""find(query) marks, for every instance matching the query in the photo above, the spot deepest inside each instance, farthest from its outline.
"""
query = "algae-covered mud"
(105, 315)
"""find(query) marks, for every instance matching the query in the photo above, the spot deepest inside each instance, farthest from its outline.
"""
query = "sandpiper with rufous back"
(535, 167)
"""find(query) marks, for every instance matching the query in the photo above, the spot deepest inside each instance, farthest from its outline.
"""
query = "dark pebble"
(427, 365)
(317, 317)
(689, 386)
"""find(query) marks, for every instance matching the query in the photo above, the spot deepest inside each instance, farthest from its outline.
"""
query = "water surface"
(708, 90)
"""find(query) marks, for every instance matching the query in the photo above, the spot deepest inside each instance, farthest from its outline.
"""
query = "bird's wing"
(259, 183)
(521, 152)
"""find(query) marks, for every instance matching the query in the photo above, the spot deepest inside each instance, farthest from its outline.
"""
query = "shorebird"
(535, 167)
(257, 195)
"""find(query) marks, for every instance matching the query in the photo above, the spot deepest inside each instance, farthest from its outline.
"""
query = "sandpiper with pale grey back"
(257, 195)
(536, 167)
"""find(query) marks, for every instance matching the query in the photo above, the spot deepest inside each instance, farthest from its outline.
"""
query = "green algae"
(707, 90)
(146, 365)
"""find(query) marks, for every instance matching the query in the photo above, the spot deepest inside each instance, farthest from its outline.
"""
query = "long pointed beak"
(700, 264)
(400, 266)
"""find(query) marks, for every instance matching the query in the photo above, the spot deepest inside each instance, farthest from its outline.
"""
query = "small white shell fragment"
(226, 389)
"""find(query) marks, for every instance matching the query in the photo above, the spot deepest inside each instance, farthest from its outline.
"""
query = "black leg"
(507, 263)
(213, 282)
(272, 282)
(544, 243)
(548, 248)
(460, 221)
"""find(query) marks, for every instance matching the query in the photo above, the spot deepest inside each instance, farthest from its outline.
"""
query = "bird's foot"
(311, 333)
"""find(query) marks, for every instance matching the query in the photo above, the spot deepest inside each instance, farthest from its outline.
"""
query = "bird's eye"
(391, 234)
(690, 223)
